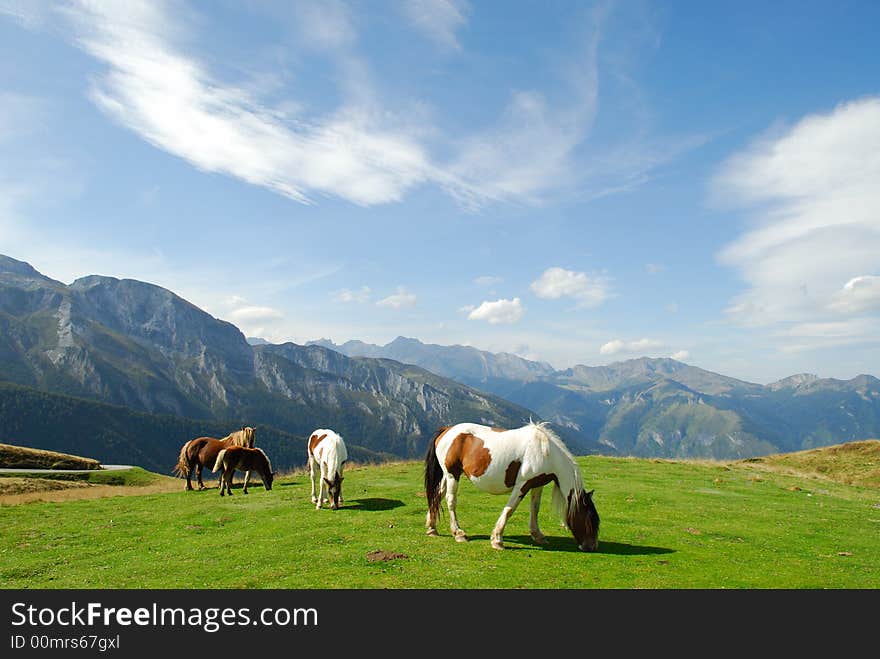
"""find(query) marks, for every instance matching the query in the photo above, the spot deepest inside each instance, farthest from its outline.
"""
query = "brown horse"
(243, 459)
(202, 452)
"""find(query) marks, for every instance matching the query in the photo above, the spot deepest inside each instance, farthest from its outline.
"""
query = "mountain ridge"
(130, 343)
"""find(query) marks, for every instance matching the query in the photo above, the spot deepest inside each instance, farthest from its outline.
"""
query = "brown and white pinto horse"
(327, 456)
(520, 461)
(202, 452)
(243, 459)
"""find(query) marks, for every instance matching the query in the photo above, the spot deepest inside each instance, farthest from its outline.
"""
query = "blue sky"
(573, 182)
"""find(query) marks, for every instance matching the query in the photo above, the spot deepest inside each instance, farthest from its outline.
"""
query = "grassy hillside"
(18, 457)
(854, 463)
(665, 524)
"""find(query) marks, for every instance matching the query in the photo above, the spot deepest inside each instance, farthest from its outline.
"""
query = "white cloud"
(359, 150)
(612, 347)
(254, 314)
(642, 346)
(438, 20)
(499, 311)
(400, 300)
(346, 295)
(588, 291)
(858, 294)
(816, 227)
(680, 355)
(654, 268)
(173, 102)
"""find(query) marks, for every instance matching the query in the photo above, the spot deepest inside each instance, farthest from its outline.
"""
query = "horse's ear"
(590, 494)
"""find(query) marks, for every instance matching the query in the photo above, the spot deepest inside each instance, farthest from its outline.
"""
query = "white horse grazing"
(327, 455)
(518, 461)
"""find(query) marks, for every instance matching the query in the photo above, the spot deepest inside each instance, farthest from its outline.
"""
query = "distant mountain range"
(124, 364)
(132, 344)
(658, 407)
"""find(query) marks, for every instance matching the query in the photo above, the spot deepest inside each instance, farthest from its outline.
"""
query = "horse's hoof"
(539, 539)
(461, 537)
(432, 533)
(314, 499)
(497, 544)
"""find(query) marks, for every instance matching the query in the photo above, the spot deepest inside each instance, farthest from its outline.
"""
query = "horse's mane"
(243, 437)
(562, 503)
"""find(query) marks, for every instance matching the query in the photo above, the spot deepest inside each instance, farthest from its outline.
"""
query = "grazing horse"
(327, 455)
(243, 459)
(202, 452)
(519, 462)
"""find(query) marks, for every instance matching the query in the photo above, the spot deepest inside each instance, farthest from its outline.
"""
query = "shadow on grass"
(558, 543)
(373, 504)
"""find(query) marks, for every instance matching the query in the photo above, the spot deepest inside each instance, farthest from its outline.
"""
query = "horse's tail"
(181, 470)
(219, 462)
(433, 475)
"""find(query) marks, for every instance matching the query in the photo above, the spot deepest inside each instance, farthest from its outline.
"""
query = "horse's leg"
(247, 478)
(199, 474)
(534, 506)
(312, 477)
(222, 482)
(229, 474)
(451, 502)
(497, 537)
(321, 486)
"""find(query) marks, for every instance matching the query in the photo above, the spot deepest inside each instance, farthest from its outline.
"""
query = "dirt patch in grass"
(378, 555)
(15, 485)
(19, 490)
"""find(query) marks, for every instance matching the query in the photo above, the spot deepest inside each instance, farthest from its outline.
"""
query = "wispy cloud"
(155, 84)
(812, 254)
(680, 355)
(498, 311)
(586, 290)
(255, 314)
(438, 20)
(172, 100)
(400, 300)
(347, 295)
(857, 295)
(617, 346)
(488, 280)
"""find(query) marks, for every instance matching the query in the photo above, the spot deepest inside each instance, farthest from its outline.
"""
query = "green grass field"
(665, 524)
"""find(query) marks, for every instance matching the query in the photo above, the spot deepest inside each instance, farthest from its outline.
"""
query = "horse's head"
(334, 489)
(267, 480)
(583, 520)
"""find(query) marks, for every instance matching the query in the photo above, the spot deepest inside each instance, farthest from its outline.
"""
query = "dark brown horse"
(202, 452)
(243, 459)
